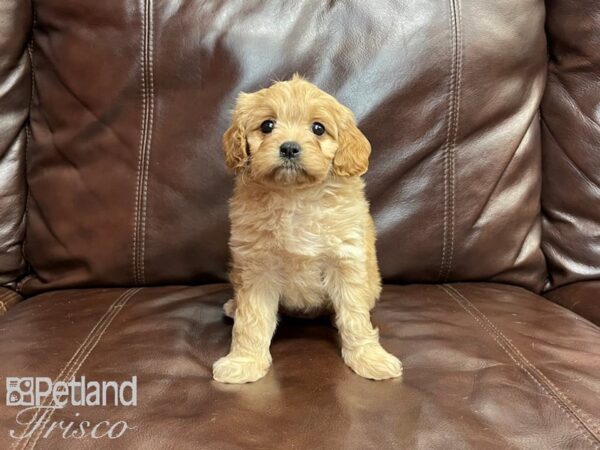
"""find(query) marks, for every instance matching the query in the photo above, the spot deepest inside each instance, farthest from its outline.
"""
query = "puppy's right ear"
(234, 145)
(352, 157)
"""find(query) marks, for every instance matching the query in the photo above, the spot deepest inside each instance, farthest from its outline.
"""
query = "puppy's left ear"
(352, 156)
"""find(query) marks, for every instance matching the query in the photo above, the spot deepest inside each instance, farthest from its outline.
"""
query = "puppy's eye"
(318, 128)
(267, 126)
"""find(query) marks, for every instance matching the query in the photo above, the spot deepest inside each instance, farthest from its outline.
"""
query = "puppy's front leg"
(255, 320)
(352, 299)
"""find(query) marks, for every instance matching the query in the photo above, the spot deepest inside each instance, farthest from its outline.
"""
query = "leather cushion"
(485, 366)
(15, 94)
(126, 173)
(571, 139)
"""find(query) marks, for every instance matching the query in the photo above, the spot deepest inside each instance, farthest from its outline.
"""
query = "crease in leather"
(71, 368)
(147, 121)
(28, 141)
(485, 205)
(58, 148)
(536, 222)
(70, 162)
(49, 226)
(593, 184)
(572, 102)
(518, 260)
(451, 138)
(98, 118)
(583, 421)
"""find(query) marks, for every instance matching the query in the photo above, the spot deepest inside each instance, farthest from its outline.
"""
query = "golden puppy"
(301, 233)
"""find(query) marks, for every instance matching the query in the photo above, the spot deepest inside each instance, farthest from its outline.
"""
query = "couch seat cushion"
(485, 366)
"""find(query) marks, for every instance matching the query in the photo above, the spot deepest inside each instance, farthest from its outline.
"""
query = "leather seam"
(455, 136)
(147, 123)
(445, 149)
(449, 158)
(58, 378)
(140, 149)
(575, 415)
(150, 26)
(3, 308)
(74, 364)
(5, 300)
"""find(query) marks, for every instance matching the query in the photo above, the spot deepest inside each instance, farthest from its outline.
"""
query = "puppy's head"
(292, 133)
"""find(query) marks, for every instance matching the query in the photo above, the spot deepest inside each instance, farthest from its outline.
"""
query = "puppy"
(301, 233)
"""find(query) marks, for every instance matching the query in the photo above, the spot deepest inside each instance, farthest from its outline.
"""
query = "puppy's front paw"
(239, 369)
(372, 361)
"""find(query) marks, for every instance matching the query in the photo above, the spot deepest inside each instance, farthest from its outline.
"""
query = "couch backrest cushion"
(15, 93)
(571, 143)
(127, 177)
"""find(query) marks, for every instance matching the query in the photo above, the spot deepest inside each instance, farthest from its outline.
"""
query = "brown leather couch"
(484, 118)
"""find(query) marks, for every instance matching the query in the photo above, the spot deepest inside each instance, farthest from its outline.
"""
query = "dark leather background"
(15, 92)
(571, 125)
(127, 179)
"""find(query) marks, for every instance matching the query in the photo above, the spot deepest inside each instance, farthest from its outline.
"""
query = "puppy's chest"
(302, 231)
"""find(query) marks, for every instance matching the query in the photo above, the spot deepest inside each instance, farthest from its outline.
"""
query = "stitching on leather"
(75, 363)
(141, 147)
(594, 426)
(445, 149)
(459, 59)
(515, 356)
(3, 308)
(60, 376)
(452, 114)
(61, 373)
(80, 357)
(5, 295)
(137, 177)
(5, 301)
(150, 45)
(587, 427)
(147, 123)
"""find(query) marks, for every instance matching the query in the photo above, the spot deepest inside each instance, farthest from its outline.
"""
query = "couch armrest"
(571, 137)
(8, 298)
(15, 95)
(582, 298)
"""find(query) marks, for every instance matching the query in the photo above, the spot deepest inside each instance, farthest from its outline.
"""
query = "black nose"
(289, 150)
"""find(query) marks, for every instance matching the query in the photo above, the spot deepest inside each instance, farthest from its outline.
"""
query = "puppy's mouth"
(290, 172)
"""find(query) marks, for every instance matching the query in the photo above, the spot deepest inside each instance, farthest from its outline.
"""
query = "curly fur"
(301, 235)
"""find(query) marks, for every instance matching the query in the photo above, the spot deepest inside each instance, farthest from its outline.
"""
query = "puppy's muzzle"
(289, 150)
